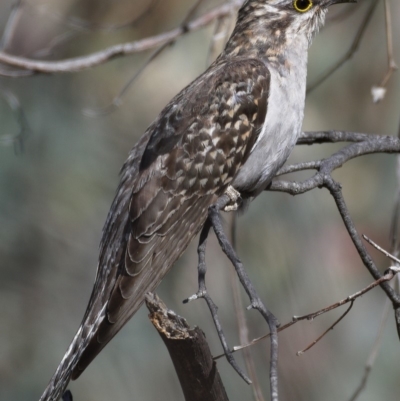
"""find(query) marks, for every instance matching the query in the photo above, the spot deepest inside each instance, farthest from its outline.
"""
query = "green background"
(55, 194)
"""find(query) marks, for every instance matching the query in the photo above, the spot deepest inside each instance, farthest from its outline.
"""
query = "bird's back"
(193, 152)
(182, 164)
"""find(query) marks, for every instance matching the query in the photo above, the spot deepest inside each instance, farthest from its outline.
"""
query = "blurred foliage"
(54, 197)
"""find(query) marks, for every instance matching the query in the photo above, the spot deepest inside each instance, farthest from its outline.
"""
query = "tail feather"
(62, 376)
(59, 382)
(112, 249)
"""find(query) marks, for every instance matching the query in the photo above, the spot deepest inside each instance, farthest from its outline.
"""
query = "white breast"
(282, 124)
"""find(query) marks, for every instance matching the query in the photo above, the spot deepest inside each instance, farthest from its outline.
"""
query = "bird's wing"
(182, 164)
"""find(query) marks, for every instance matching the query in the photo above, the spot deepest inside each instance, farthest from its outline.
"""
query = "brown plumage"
(193, 151)
(181, 165)
(235, 124)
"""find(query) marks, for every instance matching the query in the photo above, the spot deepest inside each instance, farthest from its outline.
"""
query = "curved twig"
(323, 178)
(311, 316)
(95, 59)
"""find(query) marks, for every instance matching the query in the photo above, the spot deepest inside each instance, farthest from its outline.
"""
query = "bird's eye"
(302, 5)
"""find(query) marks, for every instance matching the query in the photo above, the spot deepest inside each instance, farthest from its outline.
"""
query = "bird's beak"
(331, 2)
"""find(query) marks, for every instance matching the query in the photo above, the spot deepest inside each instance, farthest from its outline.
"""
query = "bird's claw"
(234, 196)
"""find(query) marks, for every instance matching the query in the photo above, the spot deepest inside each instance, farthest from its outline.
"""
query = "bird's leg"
(201, 267)
(214, 216)
(234, 197)
(202, 293)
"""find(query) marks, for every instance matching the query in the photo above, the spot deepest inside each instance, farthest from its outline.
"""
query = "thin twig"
(380, 249)
(349, 54)
(389, 41)
(190, 14)
(203, 294)
(319, 137)
(336, 192)
(312, 165)
(117, 100)
(311, 316)
(214, 216)
(95, 59)
(326, 331)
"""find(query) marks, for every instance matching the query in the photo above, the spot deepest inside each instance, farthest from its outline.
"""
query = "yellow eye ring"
(302, 5)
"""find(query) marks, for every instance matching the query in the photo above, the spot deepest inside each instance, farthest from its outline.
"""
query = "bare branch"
(380, 249)
(119, 50)
(311, 316)
(336, 192)
(190, 14)
(326, 331)
(374, 144)
(379, 92)
(312, 165)
(389, 41)
(190, 353)
(319, 137)
(203, 293)
(117, 101)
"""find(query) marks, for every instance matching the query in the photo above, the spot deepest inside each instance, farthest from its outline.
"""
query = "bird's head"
(271, 27)
(295, 16)
(305, 15)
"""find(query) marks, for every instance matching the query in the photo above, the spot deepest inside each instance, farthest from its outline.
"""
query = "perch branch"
(190, 354)
(214, 221)
(203, 293)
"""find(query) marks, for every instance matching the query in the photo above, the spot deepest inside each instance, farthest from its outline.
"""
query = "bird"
(231, 129)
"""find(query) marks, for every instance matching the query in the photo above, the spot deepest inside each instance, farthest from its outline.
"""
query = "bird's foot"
(234, 197)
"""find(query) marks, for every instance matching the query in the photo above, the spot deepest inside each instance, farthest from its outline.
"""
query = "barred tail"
(59, 382)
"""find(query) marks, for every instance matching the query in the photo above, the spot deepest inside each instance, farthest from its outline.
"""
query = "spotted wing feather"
(182, 164)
